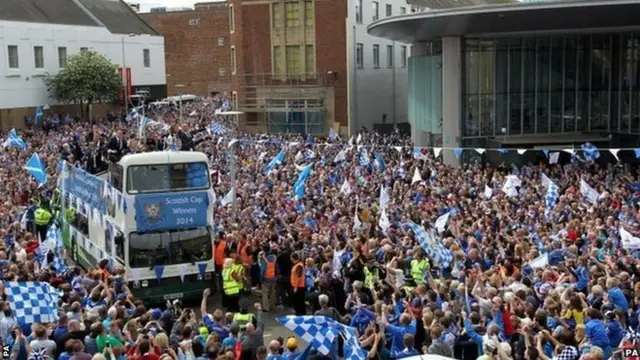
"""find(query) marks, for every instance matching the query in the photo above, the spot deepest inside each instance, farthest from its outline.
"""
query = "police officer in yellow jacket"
(43, 219)
(419, 267)
(231, 283)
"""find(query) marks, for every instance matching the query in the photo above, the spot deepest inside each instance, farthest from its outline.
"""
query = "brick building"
(293, 66)
(290, 64)
(197, 50)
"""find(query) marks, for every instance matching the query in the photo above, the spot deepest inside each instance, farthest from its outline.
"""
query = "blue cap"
(156, 313)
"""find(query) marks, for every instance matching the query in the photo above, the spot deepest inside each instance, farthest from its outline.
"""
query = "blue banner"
(88, 188)
(171, 211)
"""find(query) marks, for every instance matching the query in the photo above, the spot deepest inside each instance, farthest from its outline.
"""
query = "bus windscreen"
(157, 178)
(169, 247)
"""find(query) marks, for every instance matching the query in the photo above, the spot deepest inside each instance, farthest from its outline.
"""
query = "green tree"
(88, 78)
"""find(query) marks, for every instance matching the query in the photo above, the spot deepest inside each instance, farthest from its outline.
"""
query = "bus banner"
(171, 211)
(86, 187)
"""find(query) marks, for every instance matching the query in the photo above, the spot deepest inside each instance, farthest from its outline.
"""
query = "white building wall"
(376, 90)
(24, 86)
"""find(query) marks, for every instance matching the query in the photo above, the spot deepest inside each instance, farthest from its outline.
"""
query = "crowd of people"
(510, 273)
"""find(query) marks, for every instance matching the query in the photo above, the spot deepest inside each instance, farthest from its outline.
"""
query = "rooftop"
(499, 18)
(63, 12)
(117, 16)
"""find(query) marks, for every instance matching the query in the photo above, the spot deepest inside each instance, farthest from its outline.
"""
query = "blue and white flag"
(32, 302)
(363, 157)
(309, 154)
(430, 244)
(14, 140)
(333, 136)
(39, 115)
(551, 198)
(298, 187)
(384, 198)
(417, 154)
(379, 163)
(590, 152)
(219, 129)
(277, 160)
(341, 156)
(321, 333)
(35, 168)
(588, 192)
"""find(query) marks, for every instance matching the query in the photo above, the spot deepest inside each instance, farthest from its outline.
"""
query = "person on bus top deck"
(185, 138)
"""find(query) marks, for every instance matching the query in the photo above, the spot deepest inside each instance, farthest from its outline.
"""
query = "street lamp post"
(180, 86)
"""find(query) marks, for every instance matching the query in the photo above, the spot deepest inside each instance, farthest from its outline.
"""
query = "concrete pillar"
(418, 136)
(451, 98)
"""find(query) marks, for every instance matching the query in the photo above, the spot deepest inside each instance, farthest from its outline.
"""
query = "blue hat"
(156, 314)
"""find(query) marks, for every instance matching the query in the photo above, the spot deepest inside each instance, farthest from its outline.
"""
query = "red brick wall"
(192, 54)
(331, 51)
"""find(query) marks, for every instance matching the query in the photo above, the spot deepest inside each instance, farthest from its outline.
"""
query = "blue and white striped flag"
(434, 248)
(219, 129)
(551, 198)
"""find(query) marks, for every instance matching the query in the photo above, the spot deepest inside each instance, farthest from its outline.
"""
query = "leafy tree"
(89, 77)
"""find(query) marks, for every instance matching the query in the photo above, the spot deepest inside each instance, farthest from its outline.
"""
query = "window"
(309, 58)
(221, 72)
(169, 247)
(62, 57)
(194, 22)
(12, 51)
(38, 57)
(403, 10)
(389, 10)
(278, 60)
(147, 179)
(403, 56)
(292, 14)
(359, 55)
(390, 56)
(376, 56)
(294, 66)
(376, 10)
(146, 58)
(83, 49)
(220, 41)
(359, 11)
(232, 21)
(233, 60)
(276, 17)
(309, 13)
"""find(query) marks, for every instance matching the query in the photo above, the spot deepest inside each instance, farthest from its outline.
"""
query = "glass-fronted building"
(523, 74)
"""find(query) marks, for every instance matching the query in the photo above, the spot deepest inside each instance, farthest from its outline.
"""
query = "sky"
(145, 5)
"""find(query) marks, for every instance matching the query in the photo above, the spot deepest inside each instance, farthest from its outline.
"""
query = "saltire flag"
(14, 140)
(277, 160)
(35, 168)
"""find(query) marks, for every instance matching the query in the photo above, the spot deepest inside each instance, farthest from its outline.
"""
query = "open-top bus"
(152, 214)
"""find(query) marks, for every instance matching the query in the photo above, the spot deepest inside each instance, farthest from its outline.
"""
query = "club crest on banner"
(153, 213)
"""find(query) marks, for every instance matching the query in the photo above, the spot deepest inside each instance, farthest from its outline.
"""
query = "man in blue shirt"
(406, 325)
(616, 296)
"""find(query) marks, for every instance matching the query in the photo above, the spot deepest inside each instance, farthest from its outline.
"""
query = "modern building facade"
(197, 49)
(505, 74)
(36, 38)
